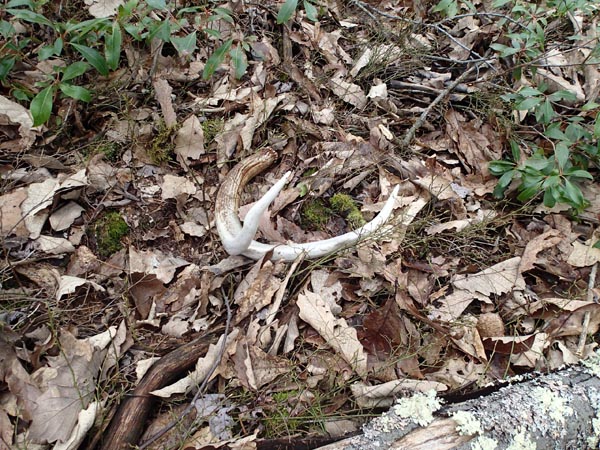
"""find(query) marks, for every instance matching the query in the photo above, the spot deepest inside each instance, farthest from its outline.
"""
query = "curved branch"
(239, 240)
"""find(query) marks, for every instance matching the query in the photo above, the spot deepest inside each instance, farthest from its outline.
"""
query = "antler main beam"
(239, 240)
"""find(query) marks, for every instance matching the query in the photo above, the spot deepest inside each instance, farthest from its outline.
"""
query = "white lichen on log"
(553, 411)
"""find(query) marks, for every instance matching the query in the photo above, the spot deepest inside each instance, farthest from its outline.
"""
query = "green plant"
(288, 9)
(74, 47)
(554, 164)
(557, 173)
(108, 232)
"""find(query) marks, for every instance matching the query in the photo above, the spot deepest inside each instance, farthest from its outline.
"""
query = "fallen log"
(560, 410)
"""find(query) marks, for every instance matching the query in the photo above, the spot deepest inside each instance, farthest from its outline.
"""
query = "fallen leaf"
(189, 142)
(336, 332)
(69, 284)
(173, 186)
(63, 218)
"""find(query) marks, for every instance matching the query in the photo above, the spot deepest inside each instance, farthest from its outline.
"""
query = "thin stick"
(410, 134)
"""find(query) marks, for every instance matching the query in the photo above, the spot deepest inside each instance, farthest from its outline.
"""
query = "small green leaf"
(75, 70)
(561, 154)
(41, 105)
(239, 61)
(311, 11)
(216, 59)
(287, 11)
(76, 92)
(92, 56)
(186, 45)
(596, 244)
(112, 49)
(597, 126)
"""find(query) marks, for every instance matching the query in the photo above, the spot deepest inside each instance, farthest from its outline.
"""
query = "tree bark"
(554, 411)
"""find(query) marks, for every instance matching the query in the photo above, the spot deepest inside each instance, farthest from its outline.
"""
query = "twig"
(410, 134)
(202, 386)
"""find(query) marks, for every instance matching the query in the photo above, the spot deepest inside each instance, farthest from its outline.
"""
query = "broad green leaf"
(94, 57)
(6, 29)
(515, 151)
(597, 126)
(6, 64)
(545, 112)
(503, 183)
(579, 173)
(551, 181)
(287, 11)
(185, 45)
(500, 3)
(30, 16)
(41, 105)
(17, 3)
(528, 193)
(75, 70)
(112, 48)
(562, 95)
(213, 33)
(574, 196)
(79, 29)
(528, 103)
(554, 132)
(448, 7)
(76, 92)
(596, 244)
(311, 11)
(530, 92)
(590, 106)
(216, 59)
(504, 50)
(497, 168)
(239, 61)
(561, 154)
(550, 197)
(224, 14)
(157, 4)
(161, 31)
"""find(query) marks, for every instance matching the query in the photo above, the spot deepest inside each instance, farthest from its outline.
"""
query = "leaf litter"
(455, 292)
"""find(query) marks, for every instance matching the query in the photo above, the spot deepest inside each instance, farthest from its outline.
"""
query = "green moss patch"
(108, 232)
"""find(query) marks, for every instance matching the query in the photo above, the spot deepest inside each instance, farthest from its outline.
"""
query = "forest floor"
(111, 257)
